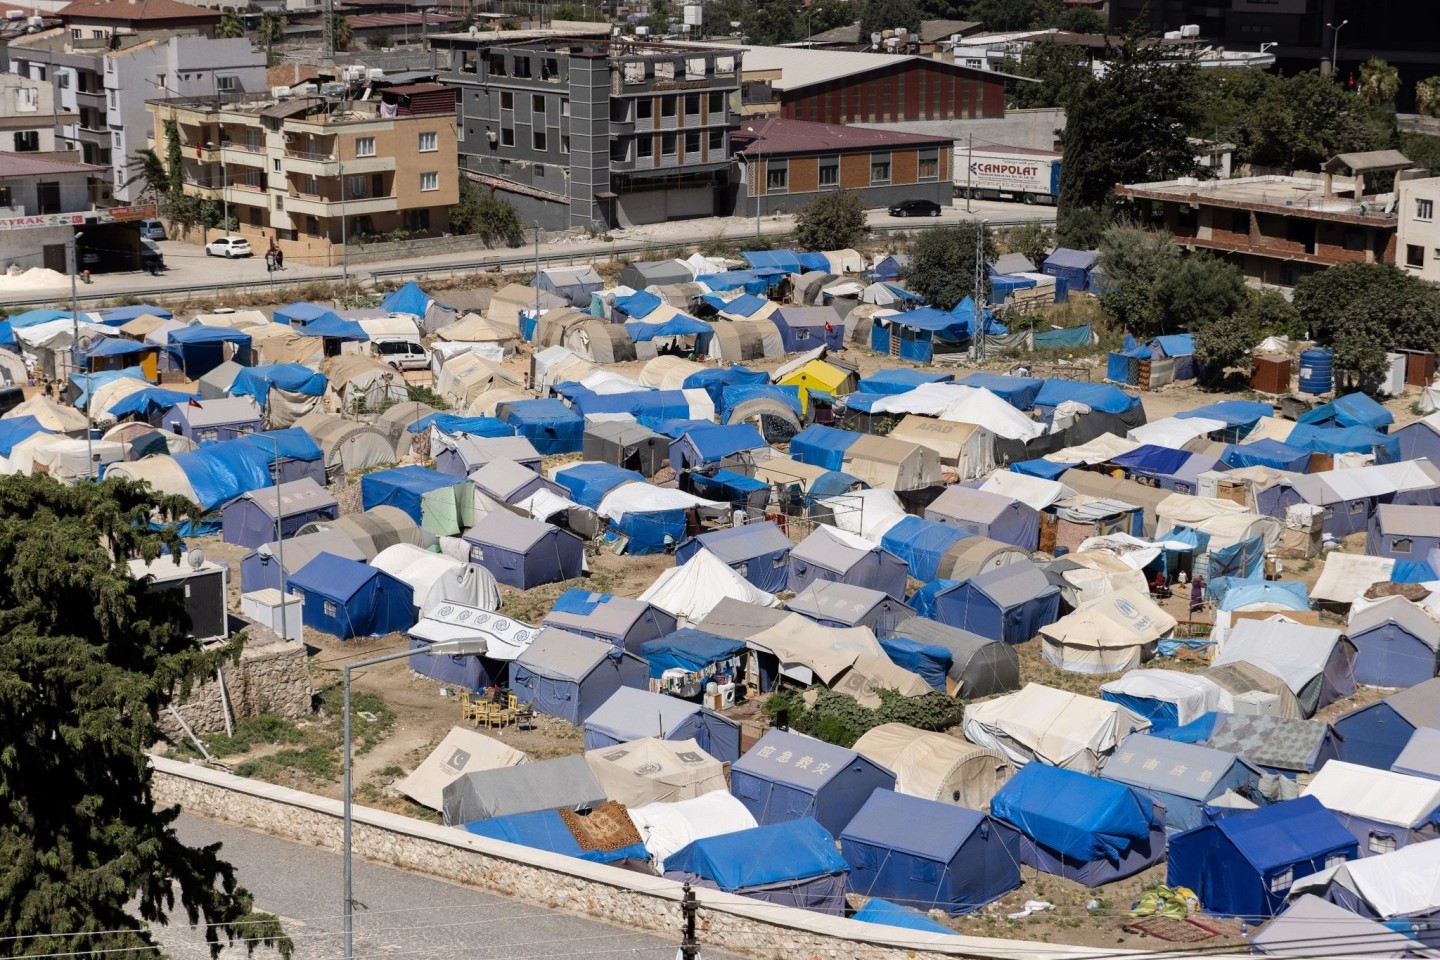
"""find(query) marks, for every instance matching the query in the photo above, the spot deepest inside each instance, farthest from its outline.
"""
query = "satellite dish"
(196, 558)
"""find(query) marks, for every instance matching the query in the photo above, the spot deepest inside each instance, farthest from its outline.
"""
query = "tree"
(1034, 240)
(1013, 14)
(1081, 20)
(174, 160)
(1423, 150)
(484, 216)
(1062, 69)
(778, 21)
(1379, 82)
(877, 16)
(1301, 121)
(88, 659)
(661, 13)
(152, 173)
(1128, 126)
(1427, 97)
(1360, 310)
(1224, 100)
(378, 41)
(1200, 290)
(344, 33)
(231, 25)
(271, 30)
(831, 221)
(1135, 263)
(942, 264)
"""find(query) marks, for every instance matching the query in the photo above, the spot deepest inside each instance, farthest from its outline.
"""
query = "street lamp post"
(72, 251)
(1335, 44)
(441, 648)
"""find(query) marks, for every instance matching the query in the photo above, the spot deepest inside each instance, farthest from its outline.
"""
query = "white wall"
(1419, 231)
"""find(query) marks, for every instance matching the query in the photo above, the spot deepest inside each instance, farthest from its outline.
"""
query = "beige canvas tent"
(465, 377)
(668, 373)
(892, 464)
(967, 447)
(508, 302)
(348, 445)
(1115, 632)
(651, 770)
(360, 384)
(937, 766)
(275, 343)
(1052, 727)
(847, 659)
(462, 751)
(51, 415)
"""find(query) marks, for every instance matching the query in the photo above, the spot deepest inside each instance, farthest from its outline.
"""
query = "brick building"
(782, 164)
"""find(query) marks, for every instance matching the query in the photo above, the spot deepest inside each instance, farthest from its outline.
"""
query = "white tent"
(462, 751)
(1105, 447)
(845, 261)
(667, 828)
(1113, 633)
(1194, 695)
(505, 637)
(647, 498)
(1405, 883)
(651, 770)
(936, 766)
(1347, 576)
(1035, 492)
(68, 459)
(692, 589)
(1093, 574)
(1052, 727)
(868, 513)
(950, 401)
(438, 579)
(1295, 652)
(1311, 927)
(162, 473)
(1174, 432)
(1378, 795)
(668, 373)
(1227, 522)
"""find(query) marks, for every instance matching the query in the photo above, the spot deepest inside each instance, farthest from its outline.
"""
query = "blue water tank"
(1316, 371)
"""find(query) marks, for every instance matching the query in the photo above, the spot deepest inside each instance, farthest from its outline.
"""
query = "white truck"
(1007, 173)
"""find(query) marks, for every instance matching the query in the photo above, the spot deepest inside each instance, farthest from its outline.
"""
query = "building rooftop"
(777, 136)
(800, 67)
(1370, 161)
(931, 31)
(129, 11)
(558, 30)
(1285, 194)
(43, 164)
(373, 21)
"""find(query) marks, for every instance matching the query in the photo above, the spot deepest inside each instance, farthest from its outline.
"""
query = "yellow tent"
(819, 375)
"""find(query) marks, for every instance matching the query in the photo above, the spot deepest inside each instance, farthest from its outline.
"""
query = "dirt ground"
(424, 710)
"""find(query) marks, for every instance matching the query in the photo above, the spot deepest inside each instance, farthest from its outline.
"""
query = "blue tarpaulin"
(347, 598)
(751, 281)
(118, 347)
(707, 446)
(679, 325)
(673, 428)
(546, 830)
(119, 316)
(31, 318)
(688, 649)
(148, 402)
(714, 380)
(88, 383)
(1046, 469)
(7, 334)
(925, 318)
(1063, 339)
(1352, 410)
(1097, 396)
(290, 377)
(15, 429)
(889, 914)
(300, 313)
(744, 305)
(198, 349)
(727, 486)
(815, 261)
(638, 305)
(1412, 571)
(761, 856)
(1267, 453)
(733, 395)
(412, 300)
(220, 472)
(589, 482)
(1239, 416)
(963, 322)
(1019, 392)
(1244, 559)
(1333, 440)
(888, 383)
(655, 404)
(333, 327)
(922, 544)
(548, 424)
(929, 661)
(1236, 593)
(1074, 814)
(822, 446)
(468, 426)
(1075, 267)
(1151, 460)
(402, 487)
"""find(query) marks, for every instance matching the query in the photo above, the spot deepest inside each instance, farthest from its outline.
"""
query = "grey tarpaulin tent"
(461, 456)
(627, 445)
(563, 783)
(347, 445)
(978, 668)
(646, 273)
(847, 605)
(524, 553)
(631, 714)
(565, 675)
(376, 529)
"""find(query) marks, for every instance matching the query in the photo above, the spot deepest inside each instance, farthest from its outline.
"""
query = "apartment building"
(1417, 247)
(307, 171)
(43, 198)
(27, 115)
(595, 132)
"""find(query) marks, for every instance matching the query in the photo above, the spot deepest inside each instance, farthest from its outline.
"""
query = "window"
(63, 79)
(364, 146)
(537, 140)
(1354, 239)
(537, 103)
(692, 103)
(226, 82)
(717, 139)
(880, 169)
(428, 142)
(549, 67)
(667, 145)
(667, 106)
(717, 103)
(429, 181)
(1424, 209)
(1357, 506)
(1382, 843)
(692, 143)
(27, 100)
(355, 187)
(564, 143)
(507, 100)
(27, 141)
(1283, 881)
(829, 171)
(564, 108)
(76, 34)
(275, 165)
(522, 67)
(644, 108)
(97, 34)
(1240, 222)
(1334, 860)
(497, 66)
(1414, 255)
(257, 218)
(330, 608)
(507, 136)
(312, 186)
(1401, 545)
(929, 168)
(644, 147)
(777, 177)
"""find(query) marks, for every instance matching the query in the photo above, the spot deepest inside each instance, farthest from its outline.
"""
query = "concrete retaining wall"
(727, 922)
(271, 678)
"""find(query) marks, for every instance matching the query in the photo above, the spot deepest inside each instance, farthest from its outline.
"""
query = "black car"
(915, 208)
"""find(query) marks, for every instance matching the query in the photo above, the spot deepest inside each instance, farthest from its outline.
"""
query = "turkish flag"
(199, 153)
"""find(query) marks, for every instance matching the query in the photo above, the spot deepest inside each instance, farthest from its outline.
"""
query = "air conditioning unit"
(14, 14)
(287, 138)
(36, 22)
(279, 93)
(1257, 702)
(375, 73)
(1190, 30)
(642, 31)
(334, 89)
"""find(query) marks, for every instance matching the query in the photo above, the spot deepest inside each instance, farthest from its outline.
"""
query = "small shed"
(1180, 777)
(987, 515)
(1375, 734)
(845, 605)
(1244, 864)
(548, 424)
(977, 667)
(936, 766)
(759, 552)
(786, 776)
(931, 855)
(524, 553)
(213, 420)
(631, 714)
(622, 621)
(1080, 827)
(568, 676)
(657, 273)
(276, 513)
(575, 284)
(794, 864)
(438, 502)
(1397, 643)
(1382, 809)
(564, 783)
(347, 599)
(625, 444)
(1403, 531)
(1012, 603)
(832, 555)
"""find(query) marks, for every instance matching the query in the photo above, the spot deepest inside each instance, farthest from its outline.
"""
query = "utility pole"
(72, 253)
(225, 195)
(344, 240)
(977, 326)
(327, 31)
(969, 164)
(689, 946)
(536, 282)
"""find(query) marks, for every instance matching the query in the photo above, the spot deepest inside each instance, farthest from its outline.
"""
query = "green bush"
(840, 719)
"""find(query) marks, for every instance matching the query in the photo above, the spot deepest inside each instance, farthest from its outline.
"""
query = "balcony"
(246, 195)
(320, 207)
(320, 164)
(242, 153)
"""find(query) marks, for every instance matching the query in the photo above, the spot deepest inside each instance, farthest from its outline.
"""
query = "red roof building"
(138, 14)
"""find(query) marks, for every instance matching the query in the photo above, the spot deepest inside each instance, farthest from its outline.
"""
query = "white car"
(228, 247)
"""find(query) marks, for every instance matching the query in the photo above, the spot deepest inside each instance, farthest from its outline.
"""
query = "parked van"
(402, 353)
(152, 229)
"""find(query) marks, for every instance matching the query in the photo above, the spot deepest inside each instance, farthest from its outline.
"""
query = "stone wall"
(385, 250)
(727, 922)
(271, 679)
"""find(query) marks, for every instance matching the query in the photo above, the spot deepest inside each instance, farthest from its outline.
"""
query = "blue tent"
(1075, 267)
(250, 519)
(678, 325)
(1151, 461)
(1009, 603)
(1179, 347)
(622, 621)
(118, 347)
(757, 551)
(1375, 734)
(822, 446)
(744, 305)
(32, 318)
(732, 395)
(740, 491)
(119, 316)
(786, 261)
(406, 488)
(654, 404)
(1352, 410)
(15, 429)
(691, 650)
(1242, 865)
(1232, 593)
(568, 676)
(637, 305)
(589, 482)
(980, 513)
(1080, 827)
(1239, 416)
(1101, 397)
(300, 313)
(805, 328)
(412, 300)
(890, 382)
(524, 553)
(1420, 440)
(463, 426)
(550, 425)
(198, 349)
(1180, 777)
(337, 328)
(751, 281)
(1396, 643)
(825, 556)
(846, 605)
(922, 544)
(786, 776)
(632, 714)
(885, 913)
(1019, 392)
(289, 377)
(7, 336)
(911, 335)
(1333, 440)
(546, 830)
(1267, 453)
(794, 864)
(931, 855)
(350, 599)
(149, 402)
(708, 446)
(890, 267)
(714, 380)
(1045, 469)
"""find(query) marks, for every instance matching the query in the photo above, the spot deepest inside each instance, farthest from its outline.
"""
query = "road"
(405, 915)
(189, 271)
